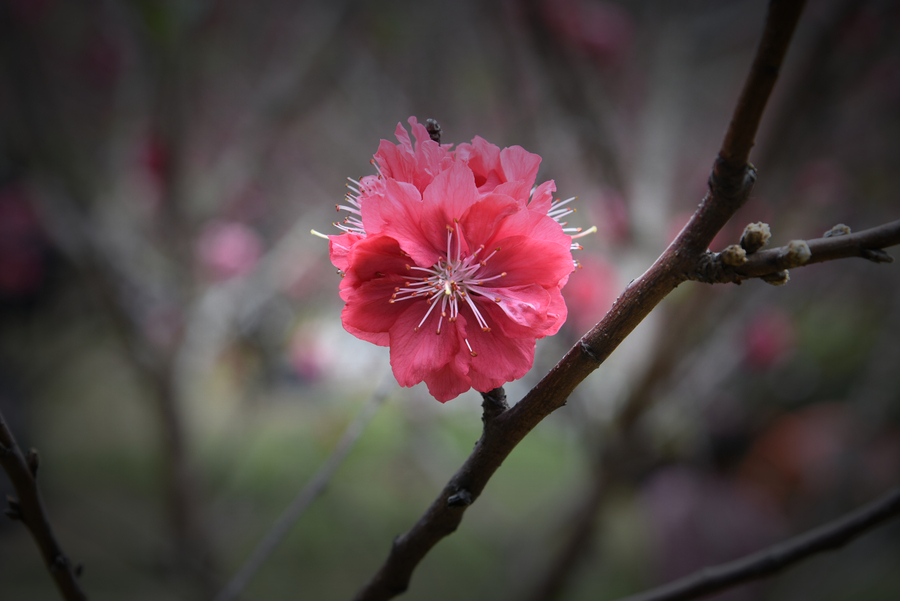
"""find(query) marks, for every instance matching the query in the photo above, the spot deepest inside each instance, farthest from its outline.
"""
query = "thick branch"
(29, 509)
(769, 561)
(730, 185)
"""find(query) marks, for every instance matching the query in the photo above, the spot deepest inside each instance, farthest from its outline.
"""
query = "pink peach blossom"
(451, 259)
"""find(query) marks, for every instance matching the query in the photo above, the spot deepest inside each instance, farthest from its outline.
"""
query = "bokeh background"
(170, 337)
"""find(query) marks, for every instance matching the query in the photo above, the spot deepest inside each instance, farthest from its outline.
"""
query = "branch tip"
(434, 130)
(876, 255)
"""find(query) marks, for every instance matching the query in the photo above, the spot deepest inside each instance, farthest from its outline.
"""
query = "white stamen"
(456, 278)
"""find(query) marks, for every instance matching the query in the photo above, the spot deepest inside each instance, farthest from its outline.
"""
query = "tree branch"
(839, 243)
(29, 509)
(729, 187)
(306, 496)
(764, 563)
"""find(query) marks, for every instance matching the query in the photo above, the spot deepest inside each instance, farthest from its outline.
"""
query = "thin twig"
(828, 537)
(29, 509)
(730, 185)
(867, 244)
(307, 495)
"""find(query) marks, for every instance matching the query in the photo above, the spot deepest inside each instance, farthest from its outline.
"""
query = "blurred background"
(170, 334)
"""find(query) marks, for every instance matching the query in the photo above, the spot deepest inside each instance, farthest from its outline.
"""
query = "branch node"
(876, 255)
(493, 404)
(755, 236)
(60, 563)
(587, 350)
(14, 511)
(462, 498)
(838, 230)
(727, 183)
(779, 278)
(712, 269)
(34, 461)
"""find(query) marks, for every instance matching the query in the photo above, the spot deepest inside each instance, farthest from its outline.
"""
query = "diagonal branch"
(729, 187)
(828, 537)
(29, 509)
(306, 496)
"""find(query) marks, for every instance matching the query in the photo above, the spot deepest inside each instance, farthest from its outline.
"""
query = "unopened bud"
(734, 256)
(755, 236)
(838, 230)
(797, 253)
(779, 278)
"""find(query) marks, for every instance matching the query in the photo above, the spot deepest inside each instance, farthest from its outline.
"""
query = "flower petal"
(339, 247)
(498, 356)
(482, 219)
(448, 382)
(417, 354)
(399, 211)
(519, 165)
(526, 260)
(542, 197)
(524, 305)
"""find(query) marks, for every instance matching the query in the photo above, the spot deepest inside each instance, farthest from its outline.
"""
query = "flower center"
(451, 282)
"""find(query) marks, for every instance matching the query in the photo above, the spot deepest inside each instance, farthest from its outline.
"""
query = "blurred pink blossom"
(21, 245)
(769, 338)
(821, 182)
(590, 292)
(227, 249)
(306, 356)
(603, 30)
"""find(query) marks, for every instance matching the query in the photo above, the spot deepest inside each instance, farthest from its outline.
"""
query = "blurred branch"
(307, 495)
(29, 509)
(714, 268)
(621, 456)
(829, 537)
(729, 187)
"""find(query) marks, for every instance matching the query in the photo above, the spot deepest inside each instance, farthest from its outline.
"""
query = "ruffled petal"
(524, 305)
(445, 201)
(339, 247)
(542, 197)
(526, 261)
(373, 257)
(449, 382)
(400, 212)
(534, 225)
(417, 354)
(498, 356)
(481, 220)
(519, 165)
(369, 310)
